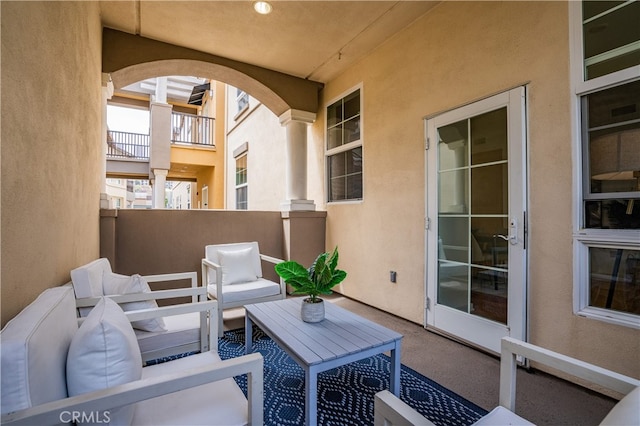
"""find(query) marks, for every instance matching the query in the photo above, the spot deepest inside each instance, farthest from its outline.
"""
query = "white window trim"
(244, 153)
(584, 238)
(343, 148)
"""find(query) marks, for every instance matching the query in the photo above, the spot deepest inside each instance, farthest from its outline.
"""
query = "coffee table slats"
(301, 344)
(340, 334)
(342, 337)
(312, 342)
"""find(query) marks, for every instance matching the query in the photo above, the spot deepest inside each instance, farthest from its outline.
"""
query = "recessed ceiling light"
(262, 7)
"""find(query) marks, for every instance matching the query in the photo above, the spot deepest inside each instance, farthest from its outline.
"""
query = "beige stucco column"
(296, 160)
(107, 93)
(159, 149)
(159, 183)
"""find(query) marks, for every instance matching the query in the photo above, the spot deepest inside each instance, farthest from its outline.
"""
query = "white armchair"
(389, 410)
(238, 268)
(157, 337)
(56, 372)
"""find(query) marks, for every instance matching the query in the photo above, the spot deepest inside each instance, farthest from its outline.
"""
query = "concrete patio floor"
(541, 398)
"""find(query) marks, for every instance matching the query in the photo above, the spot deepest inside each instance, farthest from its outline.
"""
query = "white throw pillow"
(124, 284)
(237, 266)
(104, 353)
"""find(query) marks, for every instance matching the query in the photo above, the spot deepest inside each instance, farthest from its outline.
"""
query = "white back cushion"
(87, 281)
(33, 348)
(237, 266)
(125, 284)
(104, 353)
(211, 253)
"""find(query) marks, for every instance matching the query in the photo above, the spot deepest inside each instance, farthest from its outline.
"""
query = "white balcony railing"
(192, 129)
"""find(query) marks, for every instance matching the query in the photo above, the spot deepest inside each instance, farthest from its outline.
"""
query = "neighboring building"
(183, 143)
(180, 195)
(254, 163)
(119, 198)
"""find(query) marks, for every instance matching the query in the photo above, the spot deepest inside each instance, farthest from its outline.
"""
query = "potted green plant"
(318, 279)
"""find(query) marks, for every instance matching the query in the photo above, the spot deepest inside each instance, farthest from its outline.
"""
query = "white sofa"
(45, 357)
(172, 335)
(390, 410)
(238, 268)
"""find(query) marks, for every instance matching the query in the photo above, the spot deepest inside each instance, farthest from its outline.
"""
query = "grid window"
(607, 237)
(344, 148)
(611, 35)
(242, 99)
(242, 190)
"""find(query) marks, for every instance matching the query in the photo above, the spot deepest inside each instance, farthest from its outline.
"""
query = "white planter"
(312, 312)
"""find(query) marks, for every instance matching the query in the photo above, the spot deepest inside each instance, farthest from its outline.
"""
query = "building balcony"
(192, 129)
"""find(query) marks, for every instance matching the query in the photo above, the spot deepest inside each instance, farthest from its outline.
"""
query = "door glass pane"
(453, 286)
(489, 137)
(614, 279)
(489, 293)
(453, 243)
(489, 185)
(487, 248)
(452, 146)
(453, 191)
(473, 215)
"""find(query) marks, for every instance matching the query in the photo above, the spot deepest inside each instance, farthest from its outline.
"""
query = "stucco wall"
(265, 157)
(51, 121)
(457, 53)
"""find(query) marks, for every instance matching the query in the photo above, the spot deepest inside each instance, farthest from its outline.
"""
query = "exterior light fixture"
(262, 7)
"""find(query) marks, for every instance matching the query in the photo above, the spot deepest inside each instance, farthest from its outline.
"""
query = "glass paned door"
(476, 169)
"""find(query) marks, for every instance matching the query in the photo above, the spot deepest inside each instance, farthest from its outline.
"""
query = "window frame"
(585, 238)
(245, 184)
(329, 152)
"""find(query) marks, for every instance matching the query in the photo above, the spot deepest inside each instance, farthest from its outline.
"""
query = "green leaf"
(333, 260)
(290, 269)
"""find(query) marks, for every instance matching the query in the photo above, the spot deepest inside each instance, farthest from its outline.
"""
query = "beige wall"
(457, 53)
(51, 115)
(164, 241)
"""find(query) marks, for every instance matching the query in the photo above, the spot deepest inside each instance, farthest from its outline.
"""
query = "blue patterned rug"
(345, 394)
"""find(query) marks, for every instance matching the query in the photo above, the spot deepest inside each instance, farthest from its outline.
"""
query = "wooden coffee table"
(342, 337)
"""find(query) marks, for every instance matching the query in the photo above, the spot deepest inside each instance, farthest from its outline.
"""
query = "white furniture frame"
(389, 410)
(185, 333)
(175, 381)
(342, 337)
(211, 266)
(197, 294)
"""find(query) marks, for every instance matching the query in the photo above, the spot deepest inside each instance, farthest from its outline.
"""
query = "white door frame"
(517, 310)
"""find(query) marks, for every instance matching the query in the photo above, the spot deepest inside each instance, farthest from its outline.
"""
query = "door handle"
(512, 238)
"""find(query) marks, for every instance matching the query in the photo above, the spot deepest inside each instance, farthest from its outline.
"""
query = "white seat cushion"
(228, 403)
(252, 290)
(33, 348)
(626, 411)
(181, 330)
(104, 353)
(500, 416)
